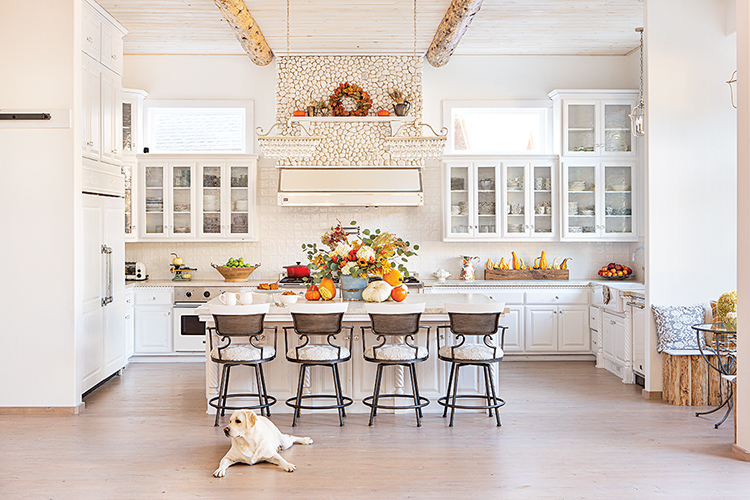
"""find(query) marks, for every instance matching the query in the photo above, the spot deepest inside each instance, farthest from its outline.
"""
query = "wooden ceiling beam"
(451, 29)
(246, 30)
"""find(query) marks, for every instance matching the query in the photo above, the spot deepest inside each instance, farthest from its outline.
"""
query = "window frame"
(249, 121)
(543, 106)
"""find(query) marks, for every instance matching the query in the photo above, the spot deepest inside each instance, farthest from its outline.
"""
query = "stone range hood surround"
(352, 156)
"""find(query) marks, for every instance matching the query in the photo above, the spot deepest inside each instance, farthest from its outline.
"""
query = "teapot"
(441, 274)
(467, 267)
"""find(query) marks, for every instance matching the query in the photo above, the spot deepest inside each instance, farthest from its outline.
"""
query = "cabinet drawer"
(594, 317)
(153, 297)
(507, 296)
(557, 297)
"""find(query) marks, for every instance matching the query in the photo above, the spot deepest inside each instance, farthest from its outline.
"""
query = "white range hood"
(350, 186)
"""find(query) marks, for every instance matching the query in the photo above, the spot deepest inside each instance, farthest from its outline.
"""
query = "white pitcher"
(246, 298)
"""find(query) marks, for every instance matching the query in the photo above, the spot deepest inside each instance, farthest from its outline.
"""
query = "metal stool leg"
(416, 388)
(494, 397)
(265, 392)
(338, 382)
(260, 392)
(455, 387)
(376, 392)
(221, 389)
(299, 394)
(448, 392)
(414, 391)
(226, 390)
(487, 389)
(337, 385)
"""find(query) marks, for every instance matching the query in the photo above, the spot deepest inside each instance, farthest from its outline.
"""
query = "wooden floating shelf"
(526, 274)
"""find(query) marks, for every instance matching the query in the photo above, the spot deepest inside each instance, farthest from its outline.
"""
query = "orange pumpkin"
(312, 293)
(383, 112)
(399, 293)
(299, 112)
(327, 289)
(393, 277)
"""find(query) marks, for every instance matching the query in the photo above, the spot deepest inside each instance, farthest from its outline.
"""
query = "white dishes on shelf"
(577, 185)
(515, 228)
(575, 229)
(486, 208)
(240, 206)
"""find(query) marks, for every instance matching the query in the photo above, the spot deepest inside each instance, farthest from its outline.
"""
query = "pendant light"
(637, 125)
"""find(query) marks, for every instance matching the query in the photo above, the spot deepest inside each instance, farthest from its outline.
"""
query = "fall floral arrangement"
(364, 101)
(374, 253)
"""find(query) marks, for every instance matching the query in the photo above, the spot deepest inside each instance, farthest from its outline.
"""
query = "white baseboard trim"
(741, 453)
(548, 357)
(651, 394)
(168, 358)
(42, 410)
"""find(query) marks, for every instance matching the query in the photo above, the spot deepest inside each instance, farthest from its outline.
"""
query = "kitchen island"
(357, 375)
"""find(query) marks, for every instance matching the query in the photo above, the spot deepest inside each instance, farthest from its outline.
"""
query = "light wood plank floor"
(569, 431)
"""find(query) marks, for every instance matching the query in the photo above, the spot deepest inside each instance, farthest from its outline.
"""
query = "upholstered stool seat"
(318, 320)
(395, 326)
(481, 322)
(240, 338)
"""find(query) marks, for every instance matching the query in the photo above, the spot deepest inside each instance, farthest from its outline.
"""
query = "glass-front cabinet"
(189, 198)
(501, 198)
(472, 200)
(595, 123)
(599, 201)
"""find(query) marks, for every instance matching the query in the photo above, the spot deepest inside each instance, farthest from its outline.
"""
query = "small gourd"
(377, 291)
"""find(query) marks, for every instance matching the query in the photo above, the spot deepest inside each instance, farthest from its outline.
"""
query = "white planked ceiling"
(509, 27)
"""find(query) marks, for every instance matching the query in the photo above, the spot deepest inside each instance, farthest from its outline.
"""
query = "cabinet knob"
(167, 313)
(89, 39)
(114, 56)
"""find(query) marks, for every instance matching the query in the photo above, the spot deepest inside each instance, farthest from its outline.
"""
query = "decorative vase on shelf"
(400, 109)
(311, 111)
(352, 287)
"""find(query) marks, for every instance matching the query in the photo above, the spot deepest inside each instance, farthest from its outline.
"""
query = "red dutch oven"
(297, 271)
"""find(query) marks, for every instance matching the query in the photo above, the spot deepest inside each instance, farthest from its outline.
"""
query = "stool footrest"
(368, 401)
(214, 402)
(292, 402)
(443, 401)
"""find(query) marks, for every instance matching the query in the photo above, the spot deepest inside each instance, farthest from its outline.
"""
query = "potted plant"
(401, 102)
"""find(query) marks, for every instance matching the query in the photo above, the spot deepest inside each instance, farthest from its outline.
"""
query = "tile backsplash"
(283, 230)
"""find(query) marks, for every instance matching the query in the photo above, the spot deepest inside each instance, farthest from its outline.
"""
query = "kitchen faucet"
(632, 259)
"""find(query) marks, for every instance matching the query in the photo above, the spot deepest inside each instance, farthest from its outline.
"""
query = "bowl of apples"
(613, 271)
(235, 270)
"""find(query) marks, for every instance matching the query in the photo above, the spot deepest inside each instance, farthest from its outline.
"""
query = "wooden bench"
(688, 380)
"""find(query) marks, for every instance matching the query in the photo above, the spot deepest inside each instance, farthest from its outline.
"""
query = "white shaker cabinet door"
(573, 328)
(153, 329)
(541, 328)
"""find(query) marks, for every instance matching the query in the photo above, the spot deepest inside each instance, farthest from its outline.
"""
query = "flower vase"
(352, 287)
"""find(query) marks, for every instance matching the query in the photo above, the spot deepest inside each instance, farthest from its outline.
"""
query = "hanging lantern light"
(637, 116)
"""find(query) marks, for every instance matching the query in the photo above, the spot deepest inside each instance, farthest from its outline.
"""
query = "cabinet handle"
(89, 39)
(127, 317)
(114, 56)
(90, 143)
(167, 313)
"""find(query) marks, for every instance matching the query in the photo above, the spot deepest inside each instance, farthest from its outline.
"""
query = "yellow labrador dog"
(256, 439)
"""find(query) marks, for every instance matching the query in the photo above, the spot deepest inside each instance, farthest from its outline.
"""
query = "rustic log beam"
(451, 29)
(246, 30)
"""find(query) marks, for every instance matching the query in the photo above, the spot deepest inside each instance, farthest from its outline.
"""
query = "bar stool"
(476, 320)
(318, 320)
(233, 322)
(395, 326)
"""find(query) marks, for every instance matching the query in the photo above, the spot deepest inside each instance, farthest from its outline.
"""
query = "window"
(199, 126)
(498, 127)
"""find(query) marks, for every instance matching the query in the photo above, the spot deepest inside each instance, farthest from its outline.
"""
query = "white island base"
(357, 375)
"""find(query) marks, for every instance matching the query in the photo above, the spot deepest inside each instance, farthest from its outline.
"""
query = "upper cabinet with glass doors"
(594, 123)
(191, 198)
(530, 194)
(473, 200)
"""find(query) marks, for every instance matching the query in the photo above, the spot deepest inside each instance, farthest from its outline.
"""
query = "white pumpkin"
(377, 291)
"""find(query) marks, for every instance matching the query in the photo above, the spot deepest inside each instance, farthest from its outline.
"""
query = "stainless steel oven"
(189, 330)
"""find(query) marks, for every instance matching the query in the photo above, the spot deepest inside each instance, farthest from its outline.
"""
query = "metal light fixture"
(291, 147)
(637, 125)
(416, 148)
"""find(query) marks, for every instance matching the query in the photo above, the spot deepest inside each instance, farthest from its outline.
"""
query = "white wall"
(691, 156)
(284, 229)
(38, 206)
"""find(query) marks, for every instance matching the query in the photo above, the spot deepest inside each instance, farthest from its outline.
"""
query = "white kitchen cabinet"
(557, 328)
(531, 198)
(111, 117)
(129, 311)
(153, 321)
(617, 345)
(132, 120)
(599, 200)
(594, 123)
(189, 198)
(104, 334)
(472, 200)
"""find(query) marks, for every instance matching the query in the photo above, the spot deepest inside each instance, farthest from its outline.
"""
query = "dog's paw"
(220, 472)
(307, 440)
(288, 467)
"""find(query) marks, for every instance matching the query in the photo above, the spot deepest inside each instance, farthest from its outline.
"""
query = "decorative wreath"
(364, 101)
